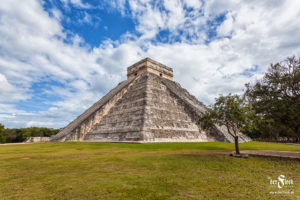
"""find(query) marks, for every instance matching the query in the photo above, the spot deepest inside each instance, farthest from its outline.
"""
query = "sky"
(58, 57)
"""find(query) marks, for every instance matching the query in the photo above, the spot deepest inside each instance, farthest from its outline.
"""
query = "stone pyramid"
(148, 107)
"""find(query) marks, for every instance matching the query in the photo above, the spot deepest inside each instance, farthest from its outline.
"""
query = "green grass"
(142, 171)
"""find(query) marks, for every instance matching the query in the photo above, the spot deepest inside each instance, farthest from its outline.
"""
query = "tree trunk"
(236, 142)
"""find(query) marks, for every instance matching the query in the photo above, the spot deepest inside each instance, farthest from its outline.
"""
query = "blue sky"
(57, 57)
(95, 24)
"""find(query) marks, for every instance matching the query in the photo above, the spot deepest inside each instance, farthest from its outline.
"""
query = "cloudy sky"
(57, 57)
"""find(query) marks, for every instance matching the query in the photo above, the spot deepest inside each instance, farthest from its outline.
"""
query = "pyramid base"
(149, 137)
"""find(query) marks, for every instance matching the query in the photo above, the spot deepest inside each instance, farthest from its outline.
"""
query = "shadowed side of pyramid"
(196, 109)
(148, 107)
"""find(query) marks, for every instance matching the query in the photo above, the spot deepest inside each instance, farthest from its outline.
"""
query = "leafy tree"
(276, 99)
(228, 111)
(26, 134)
(2, 137)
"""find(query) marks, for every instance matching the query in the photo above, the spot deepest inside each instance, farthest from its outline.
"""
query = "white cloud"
(195, 4)
(10, 93)
(119, 5)
(225, 29)
(169, 15)
(32, 49)
(175, 14)
(76, 3)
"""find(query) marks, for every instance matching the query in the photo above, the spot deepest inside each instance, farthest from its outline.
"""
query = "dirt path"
(16, 143)
(280, 154)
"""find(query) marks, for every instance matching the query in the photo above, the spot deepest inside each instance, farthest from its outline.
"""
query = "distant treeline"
(9, 135)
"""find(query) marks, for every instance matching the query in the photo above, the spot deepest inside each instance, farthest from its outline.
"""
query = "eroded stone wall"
(166, 117)
(37, 139)
(125, 120)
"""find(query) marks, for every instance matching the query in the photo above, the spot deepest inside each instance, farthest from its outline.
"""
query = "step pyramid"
(147, 107)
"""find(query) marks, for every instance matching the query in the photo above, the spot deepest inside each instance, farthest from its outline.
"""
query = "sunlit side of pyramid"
(148, 107)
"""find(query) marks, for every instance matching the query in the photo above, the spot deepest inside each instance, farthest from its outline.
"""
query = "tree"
(26, 134)
(2, 137)
(228, 111)
(276, 99)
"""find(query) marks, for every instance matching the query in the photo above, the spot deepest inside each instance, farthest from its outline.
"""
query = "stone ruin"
(147, 107)
(37, 139)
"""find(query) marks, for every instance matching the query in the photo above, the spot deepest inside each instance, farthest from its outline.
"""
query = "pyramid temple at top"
(147, 107)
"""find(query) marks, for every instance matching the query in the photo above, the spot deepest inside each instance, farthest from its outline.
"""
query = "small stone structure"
(37, 139)
(150, 66)
(148, 107)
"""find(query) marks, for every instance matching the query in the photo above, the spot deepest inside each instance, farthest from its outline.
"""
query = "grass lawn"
(77, 170)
